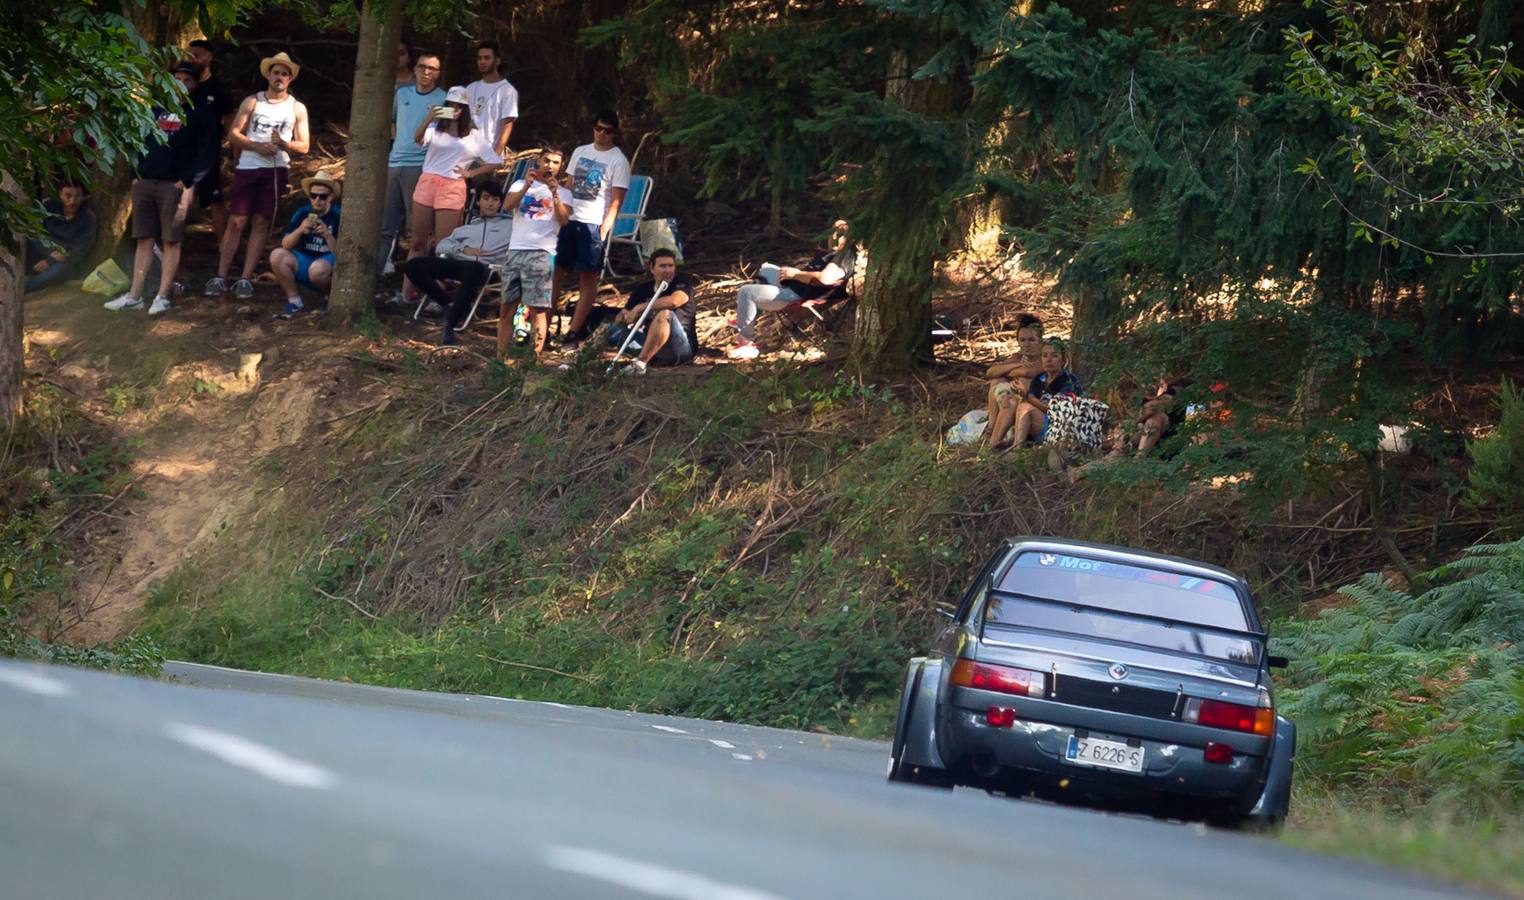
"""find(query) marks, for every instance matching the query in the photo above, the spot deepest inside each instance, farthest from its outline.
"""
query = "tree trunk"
(370, 112)
(12, 350)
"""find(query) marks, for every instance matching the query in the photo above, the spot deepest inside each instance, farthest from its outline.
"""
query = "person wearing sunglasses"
(599, 175)
(306, 252)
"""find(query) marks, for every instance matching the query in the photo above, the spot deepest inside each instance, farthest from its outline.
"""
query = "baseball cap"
(458, 94)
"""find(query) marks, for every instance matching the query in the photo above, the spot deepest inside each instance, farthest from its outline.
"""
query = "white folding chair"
(627, 223)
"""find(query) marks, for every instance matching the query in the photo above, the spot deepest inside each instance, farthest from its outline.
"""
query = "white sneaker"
(744, 350)
(635, 368)
(126, 301)
(389, 269)
(160, 306)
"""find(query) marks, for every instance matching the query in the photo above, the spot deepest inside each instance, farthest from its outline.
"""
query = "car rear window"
(1126, 588)
(1021, 612)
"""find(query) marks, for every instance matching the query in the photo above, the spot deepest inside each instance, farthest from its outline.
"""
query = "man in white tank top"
(268, 127)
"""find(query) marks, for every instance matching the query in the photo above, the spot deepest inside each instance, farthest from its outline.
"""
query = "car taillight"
(1231, 716)
(1005, 679)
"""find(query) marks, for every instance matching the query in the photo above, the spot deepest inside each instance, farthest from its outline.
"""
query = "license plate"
(1103, 754)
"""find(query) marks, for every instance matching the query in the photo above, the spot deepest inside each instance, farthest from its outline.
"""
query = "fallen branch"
(520, 665)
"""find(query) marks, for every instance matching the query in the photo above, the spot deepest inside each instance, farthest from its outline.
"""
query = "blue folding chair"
(627, 224)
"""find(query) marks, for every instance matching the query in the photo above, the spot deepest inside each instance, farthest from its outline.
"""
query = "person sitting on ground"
(1010, 379)
(70, 230)
(541, 207)
(1053, 381)
(464, 256)
(452, 144)
(307, 250)
(783, 286)
(669, 336)
(1160, 416)
(168, 172)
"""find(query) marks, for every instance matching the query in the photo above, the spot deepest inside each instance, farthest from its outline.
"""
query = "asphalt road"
(235, 784)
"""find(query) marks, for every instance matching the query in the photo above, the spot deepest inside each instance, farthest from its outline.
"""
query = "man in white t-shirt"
(599, 176)
(541, 207)
(494, 102)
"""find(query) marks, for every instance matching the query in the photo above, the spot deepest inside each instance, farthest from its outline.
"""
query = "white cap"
(458, 94)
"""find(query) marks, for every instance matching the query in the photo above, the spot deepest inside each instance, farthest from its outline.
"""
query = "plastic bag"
(969, 428)
(656, 234)
(108, 278)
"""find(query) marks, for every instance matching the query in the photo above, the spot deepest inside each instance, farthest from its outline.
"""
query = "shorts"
(256, 192)
(159, 209)
(209, 189)
(675, 352)
(526, 278)
(439, 192)
(304, 263)
(578, 247)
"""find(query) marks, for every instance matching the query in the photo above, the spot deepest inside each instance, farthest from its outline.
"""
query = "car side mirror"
(1277, 662)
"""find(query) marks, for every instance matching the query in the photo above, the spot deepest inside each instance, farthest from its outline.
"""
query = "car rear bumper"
(1030, 754)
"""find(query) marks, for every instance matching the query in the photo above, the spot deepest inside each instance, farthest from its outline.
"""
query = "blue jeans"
(54, 273)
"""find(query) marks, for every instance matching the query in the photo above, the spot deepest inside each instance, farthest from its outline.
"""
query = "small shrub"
(1497, 460)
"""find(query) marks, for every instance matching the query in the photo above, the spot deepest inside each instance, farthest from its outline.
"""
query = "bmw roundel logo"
(1046, 559)
(1118, 671)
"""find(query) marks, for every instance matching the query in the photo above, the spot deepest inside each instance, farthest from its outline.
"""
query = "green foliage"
(1498, 459)
(1419, 696)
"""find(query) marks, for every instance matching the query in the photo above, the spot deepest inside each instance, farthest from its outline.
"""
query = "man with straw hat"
(306, 252)
(267, 129)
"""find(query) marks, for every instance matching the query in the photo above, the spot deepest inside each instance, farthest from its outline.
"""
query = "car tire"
(900, 771)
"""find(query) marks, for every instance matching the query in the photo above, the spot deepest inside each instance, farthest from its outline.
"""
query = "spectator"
(306, 252)
(1009, 379)
(71, 226)
(494, 101)
(669, 337)
(541, 207)
(782, 286)
(403, 75)
(168, 172)
(1053, 381)
(267, 129)
(600, 176)
(452, 144)
(464, 256)
(411, 105)
(212, 93)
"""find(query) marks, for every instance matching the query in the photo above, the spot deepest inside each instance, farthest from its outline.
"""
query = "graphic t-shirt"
(409, 108)
(594, 174)
(534, 219)
(313, 243)
(445, 151)
(265, 121)
(490, 105)
(1045, 390)
(681, 282)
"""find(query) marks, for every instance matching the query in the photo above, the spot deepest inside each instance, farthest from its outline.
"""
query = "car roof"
(1112, 553)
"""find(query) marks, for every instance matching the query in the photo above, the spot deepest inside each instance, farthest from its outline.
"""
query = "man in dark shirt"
(71, 226)
(669, 337)
(306, 252)
(213, 94)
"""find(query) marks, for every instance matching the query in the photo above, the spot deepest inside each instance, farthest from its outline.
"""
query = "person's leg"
(48, 277)
(472, 275)
(420, 243)
(169, 267)
(658, 332)
(506, 310)
(1028, 424)
(35, 252)
(142, 260)
(259, 233)
(320, 274)
(394, 208)
(539, 325)
(587, 295)
(219, 211)
(445, 221)
(424, 273)
(174, 212)
(752, 299)
(283, 263)
(232, 235)
(534, 273)
(1153, 429)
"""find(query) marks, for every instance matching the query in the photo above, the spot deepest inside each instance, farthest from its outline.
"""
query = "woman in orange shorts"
(453, 146)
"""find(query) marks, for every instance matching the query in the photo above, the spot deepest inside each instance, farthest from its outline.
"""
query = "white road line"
(669, 728)
(253, 756)
(741, 756)
(723, 745)
(33, 683)
(648, 878)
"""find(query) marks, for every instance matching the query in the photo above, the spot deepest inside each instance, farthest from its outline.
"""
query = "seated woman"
(1053, 381)
(825, 275)
(1009, 380)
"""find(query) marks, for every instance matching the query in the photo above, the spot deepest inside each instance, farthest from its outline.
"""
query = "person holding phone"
(541, 206)
(306, 252)
(452, 145)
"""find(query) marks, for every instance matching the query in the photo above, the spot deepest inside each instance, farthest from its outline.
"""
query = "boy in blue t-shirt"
(410, 105)
(1053, 381)
(305, 255)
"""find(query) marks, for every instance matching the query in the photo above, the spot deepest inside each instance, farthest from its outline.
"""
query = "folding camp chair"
(627, 224)
(843, 291)
(494, 280)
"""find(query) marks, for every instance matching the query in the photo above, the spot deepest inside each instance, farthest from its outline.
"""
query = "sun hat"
(323, 177)
(279, 59)
(458, 94)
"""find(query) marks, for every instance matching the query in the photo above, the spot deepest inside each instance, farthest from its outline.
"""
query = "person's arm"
(557, 204)
(830, 276)
(423, 127)
(236, 137)
(294, 232)
(516, 193)
(616, 200)
(502, 136)
(1003, 369)
(300, 138)
(670, 300)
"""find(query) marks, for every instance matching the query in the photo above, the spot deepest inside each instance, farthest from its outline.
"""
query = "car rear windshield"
(1126, 589)
(1020, 611)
